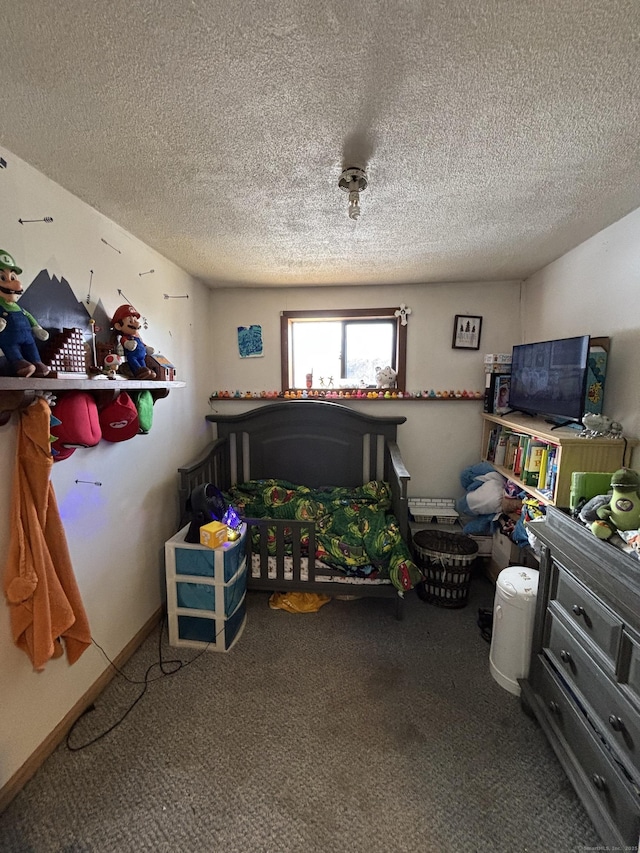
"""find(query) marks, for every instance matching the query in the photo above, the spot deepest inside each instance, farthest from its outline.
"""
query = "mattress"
(332, 577)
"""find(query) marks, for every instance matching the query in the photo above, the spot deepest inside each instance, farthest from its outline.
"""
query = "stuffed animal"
(622, 510)
(18, 328)
(125, 323)
(484, 498)
(385, 377)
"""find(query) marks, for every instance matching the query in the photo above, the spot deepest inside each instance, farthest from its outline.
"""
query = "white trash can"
(513, 616)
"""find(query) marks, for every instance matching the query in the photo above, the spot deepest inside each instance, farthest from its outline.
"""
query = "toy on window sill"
(18, 328)
(126, 324)
(385, 377)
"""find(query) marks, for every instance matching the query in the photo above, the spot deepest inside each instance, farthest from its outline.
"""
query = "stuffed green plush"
(622, 511)
(144, 404)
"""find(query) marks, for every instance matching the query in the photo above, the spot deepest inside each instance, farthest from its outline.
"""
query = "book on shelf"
(489, 391)
(533, 462)
(491, 444)
(542, 473)
(501, 394)
(521, 455)
(501, 448)
(547, 484)
(512, 446)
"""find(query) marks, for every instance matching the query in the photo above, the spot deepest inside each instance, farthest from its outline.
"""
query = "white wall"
(594, 290)
(439, 439)
(115, 531)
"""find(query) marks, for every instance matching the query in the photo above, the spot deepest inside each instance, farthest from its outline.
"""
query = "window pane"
(316, 350)
(368, 346)
(327, 344)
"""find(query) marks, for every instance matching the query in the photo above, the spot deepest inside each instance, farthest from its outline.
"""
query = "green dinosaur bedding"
(356, 531)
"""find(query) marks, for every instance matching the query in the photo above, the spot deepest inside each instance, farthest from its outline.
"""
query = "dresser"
(583, 685)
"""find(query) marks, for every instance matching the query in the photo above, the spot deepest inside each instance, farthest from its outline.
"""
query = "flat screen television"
(549, 379)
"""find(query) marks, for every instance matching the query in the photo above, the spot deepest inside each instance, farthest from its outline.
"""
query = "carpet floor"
(341, 730)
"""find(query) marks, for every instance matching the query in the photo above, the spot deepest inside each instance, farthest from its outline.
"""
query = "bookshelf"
(564, 449)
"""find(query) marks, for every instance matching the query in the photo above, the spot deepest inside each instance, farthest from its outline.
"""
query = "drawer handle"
(578, 610)
(554, 707)
(599, 781)
(616, 723)
(565, 657)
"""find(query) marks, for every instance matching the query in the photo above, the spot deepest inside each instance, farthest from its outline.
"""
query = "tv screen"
(549, 378)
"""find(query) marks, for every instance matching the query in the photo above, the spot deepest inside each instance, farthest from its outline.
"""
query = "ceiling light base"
(353, 181)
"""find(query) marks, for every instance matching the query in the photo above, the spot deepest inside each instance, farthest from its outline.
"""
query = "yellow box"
(213, 535)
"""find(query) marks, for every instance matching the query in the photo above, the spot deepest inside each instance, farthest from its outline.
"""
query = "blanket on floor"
(356, 531)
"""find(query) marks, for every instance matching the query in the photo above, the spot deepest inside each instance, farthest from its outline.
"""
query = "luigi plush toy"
(18, 329)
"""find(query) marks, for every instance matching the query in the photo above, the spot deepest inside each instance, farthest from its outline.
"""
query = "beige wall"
(116, 531)
(438, 439)
(594, 290)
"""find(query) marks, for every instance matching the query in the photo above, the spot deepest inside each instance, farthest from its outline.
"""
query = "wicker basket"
(445, 560)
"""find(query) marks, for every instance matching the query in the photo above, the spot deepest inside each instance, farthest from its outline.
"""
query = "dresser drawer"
(605, 787)
(630, 669)
(617, 719)
(583, 609)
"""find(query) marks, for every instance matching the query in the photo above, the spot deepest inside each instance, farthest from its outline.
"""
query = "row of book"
(533, 461)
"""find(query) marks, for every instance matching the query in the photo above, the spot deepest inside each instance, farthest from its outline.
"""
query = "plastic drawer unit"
(206, 592)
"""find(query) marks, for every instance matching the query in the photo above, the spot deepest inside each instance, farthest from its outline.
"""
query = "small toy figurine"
(18, 328)
(125, 323)
(112, 362)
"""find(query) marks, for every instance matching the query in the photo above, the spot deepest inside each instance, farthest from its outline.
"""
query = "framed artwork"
(466, 332)
(250, 341)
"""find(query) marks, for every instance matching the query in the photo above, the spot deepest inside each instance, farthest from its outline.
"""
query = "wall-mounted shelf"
(17, 393)
(379, 400)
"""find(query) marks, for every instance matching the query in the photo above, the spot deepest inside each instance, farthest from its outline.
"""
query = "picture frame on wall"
(466, 332)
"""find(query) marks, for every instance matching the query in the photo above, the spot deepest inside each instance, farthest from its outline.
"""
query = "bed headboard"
(311, 442)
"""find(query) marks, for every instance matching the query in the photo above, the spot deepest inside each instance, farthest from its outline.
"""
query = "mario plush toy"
(125, 323)
(18, 328)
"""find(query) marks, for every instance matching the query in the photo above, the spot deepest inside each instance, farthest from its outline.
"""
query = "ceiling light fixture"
(353, 181)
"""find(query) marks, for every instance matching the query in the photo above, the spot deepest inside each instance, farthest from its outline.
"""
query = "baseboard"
(37, 758)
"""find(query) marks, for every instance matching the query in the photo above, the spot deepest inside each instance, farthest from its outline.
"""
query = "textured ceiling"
(496, 134)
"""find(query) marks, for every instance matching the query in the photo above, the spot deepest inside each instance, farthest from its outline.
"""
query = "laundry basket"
(445, 559)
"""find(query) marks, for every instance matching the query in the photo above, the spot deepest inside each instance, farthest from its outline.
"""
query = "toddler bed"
(273, 455)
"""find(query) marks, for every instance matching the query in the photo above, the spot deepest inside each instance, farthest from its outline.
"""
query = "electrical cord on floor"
(176, 665)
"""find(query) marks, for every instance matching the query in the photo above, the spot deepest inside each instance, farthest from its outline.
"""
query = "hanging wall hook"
(110, 246)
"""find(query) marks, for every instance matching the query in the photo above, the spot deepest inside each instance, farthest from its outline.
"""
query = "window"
(341, 348)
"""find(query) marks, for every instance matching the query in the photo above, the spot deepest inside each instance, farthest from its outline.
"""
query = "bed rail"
(291, 574)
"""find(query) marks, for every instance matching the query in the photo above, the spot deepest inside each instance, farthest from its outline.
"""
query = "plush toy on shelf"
(126, 324)
(112, 361)
(18, 328)
(620, 510)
